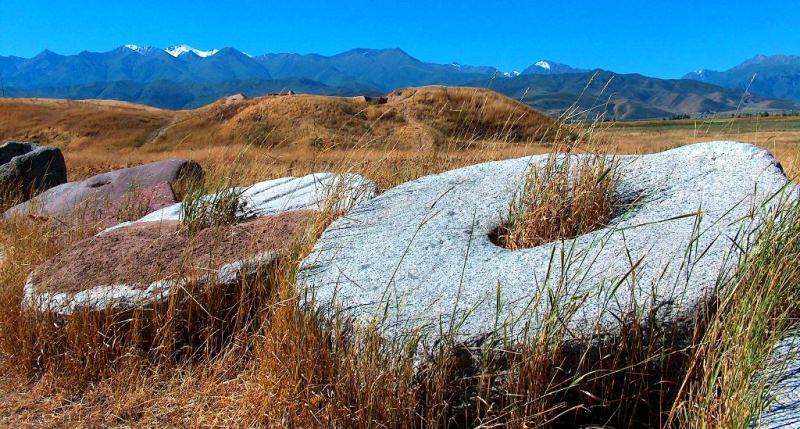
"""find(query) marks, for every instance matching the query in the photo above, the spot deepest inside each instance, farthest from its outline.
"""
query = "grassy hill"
(290, 129)
(417, 116)
(74, 125)
(411, 129)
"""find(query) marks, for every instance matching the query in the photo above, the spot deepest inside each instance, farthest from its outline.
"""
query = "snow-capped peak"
(136, 48)
(543, 64)
(513, 73)
(179, 50)
(456, 65)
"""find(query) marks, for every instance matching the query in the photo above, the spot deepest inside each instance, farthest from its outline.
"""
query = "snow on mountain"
(137, 48)
(179, 50)
(513, 73)
(175, 51)
(546, 67)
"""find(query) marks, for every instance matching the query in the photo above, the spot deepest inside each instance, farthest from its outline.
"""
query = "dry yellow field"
(286, 135)
(422, 131)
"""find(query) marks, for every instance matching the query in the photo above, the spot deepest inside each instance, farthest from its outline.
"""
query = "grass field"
(779, 135)
(297, 135)
(284, 369)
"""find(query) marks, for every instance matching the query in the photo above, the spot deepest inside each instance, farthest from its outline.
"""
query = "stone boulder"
(420, 257)
(30, 167)
(144, 263)
(309, 192)
(114, 196)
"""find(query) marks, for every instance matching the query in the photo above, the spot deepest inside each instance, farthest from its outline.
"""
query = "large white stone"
(287, 193)
(419, 256)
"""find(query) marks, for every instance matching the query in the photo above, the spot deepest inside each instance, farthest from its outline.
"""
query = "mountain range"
(776, 76)
(363, 70)
(629, 96)
(181, 77)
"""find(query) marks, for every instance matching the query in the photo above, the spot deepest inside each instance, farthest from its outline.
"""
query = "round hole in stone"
(545, 231)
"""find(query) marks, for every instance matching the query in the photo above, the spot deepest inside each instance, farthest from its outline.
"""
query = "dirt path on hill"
(157, 134)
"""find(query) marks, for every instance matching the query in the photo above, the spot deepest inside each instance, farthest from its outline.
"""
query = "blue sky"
(657, 38)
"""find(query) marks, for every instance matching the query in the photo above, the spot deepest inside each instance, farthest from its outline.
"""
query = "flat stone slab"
(30, 166)
(113, 195)
(784, 408)
(309, 192)
(419, 256)
(144, 263)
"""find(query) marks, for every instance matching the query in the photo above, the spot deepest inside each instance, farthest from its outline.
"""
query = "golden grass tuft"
(565, 197)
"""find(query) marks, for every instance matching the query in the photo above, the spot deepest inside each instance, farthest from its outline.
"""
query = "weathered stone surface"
(110, 196)
(29, 166)
(144, 263)
(309, 192)
(784, 409)
(420, 254)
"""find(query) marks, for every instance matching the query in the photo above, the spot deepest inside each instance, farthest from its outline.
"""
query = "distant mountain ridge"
(130, 63)
(179, 95)
(609, 95)
(181, 77)
(775, 76)
(382, 69)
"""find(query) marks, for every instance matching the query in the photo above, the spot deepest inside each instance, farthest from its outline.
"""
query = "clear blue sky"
(658, 38)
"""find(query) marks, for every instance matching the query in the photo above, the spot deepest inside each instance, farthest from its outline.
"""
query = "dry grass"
(265, 362)
(207, 206)
(271, 364)
(564, 198)
(725, 383)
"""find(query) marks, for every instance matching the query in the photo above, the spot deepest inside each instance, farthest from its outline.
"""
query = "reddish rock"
(112, 197)
(143, 262)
